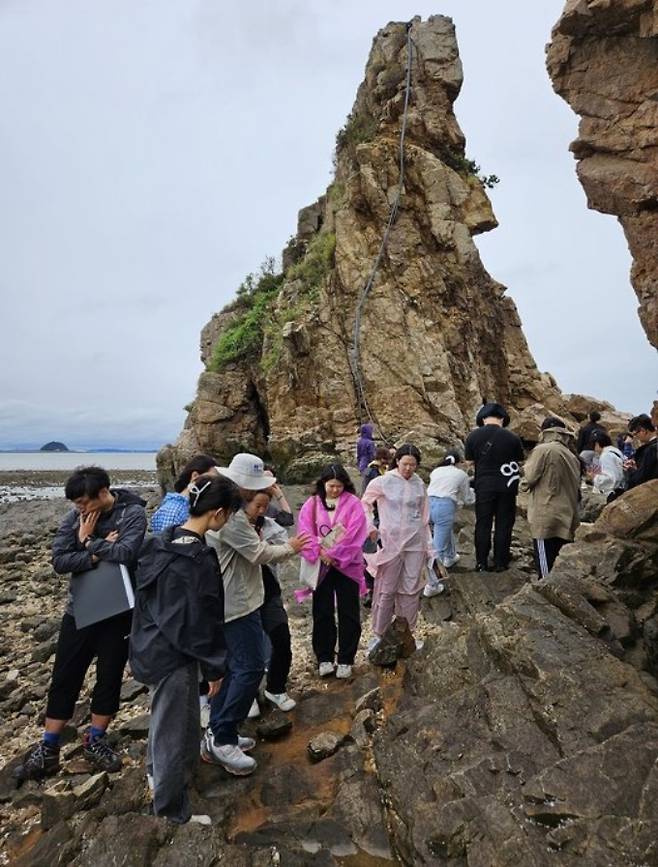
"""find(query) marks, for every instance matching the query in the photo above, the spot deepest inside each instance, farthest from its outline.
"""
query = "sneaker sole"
(213, 760)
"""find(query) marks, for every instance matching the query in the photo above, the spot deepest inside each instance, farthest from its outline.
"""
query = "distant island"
(54, 447)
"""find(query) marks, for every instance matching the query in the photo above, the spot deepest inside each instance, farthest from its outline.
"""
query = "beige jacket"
(552, 475)
(241, 553)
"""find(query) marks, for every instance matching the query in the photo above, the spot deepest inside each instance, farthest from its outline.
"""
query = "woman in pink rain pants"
(399, 566)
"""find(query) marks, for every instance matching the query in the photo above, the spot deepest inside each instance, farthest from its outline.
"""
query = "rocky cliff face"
(438, 332)
(603, 60)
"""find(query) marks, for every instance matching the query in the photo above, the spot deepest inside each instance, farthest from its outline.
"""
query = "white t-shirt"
(451, 482)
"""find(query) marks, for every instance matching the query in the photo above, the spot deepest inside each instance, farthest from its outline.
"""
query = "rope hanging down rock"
(355, 351)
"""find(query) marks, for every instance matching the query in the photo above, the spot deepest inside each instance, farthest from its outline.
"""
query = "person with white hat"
(241, 554)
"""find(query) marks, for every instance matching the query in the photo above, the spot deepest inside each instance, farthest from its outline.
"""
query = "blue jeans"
(442, 515)
(245, 668)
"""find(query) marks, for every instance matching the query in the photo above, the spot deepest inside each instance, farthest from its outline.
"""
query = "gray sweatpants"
(173, 743)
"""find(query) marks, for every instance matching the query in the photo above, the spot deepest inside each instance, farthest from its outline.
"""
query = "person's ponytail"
(208, 493)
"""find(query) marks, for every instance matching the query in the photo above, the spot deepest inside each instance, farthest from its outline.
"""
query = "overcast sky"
(152, 152)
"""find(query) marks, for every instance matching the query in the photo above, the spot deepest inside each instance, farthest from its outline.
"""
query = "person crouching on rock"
(449, 488)
(273, 614)
(552, 476)
(177, 629)
(241, 554)
(334, 520)
(399, 566)
(106, 525)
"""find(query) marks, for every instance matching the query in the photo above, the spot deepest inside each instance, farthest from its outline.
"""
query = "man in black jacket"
(106, 525)
(496, 453)
(643, 466)
(583, 447)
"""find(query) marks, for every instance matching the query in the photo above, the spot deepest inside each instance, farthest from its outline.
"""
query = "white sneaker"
(254, 710)
(452, 562)
(228, 756)
(433, 589)
(326, 669)
(419, 644)
(201, 819)
(281, 700)
(245, 744)
(343, 671)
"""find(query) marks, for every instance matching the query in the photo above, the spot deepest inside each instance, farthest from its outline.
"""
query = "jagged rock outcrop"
(534, 718)
(438, 332)
(603, 60)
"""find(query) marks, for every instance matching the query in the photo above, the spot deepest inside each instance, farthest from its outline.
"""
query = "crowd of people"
(201, 617)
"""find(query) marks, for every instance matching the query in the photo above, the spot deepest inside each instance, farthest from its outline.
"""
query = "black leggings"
(275, 625)
(346, 593)
(76, 648)
(281, 659)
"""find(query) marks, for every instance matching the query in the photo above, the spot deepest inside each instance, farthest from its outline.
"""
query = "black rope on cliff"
(355, 352)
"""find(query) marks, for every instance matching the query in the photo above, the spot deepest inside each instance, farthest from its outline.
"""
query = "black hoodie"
(179, 608)
(127, 516)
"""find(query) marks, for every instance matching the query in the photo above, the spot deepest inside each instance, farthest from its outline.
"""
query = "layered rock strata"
(438, 335)
(603, 60)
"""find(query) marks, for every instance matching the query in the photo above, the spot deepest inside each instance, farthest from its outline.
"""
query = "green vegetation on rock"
(463, 166)
(316, 264)
(244, 336)
(311, 270)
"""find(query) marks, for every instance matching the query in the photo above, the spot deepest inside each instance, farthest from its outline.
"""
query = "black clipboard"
(101, 592)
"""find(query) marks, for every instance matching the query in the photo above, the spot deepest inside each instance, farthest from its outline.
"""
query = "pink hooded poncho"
(403, 510)
(348, 551)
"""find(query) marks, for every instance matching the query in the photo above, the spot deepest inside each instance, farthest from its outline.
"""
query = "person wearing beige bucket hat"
(248, 472)
(241, 554)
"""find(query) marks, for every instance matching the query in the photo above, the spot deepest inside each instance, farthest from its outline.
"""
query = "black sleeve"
(68, 553)
(284, 519)
(520, 454)
(469, 452)
(131, 536)
(647, 468)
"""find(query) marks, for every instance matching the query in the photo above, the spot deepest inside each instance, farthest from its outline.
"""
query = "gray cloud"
(153, 153)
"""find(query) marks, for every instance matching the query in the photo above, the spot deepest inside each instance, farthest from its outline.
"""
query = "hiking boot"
(326, 669)
(100, 754)
(254, 710)
(343, 671)
(40, 761)
(281, 699)
(228, 756)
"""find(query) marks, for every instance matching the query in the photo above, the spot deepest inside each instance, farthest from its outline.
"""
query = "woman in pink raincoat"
(400, 563)
(334, 519)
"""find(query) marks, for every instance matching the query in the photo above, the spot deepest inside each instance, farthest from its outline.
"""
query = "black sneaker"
(100, 754)
(40, 761)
